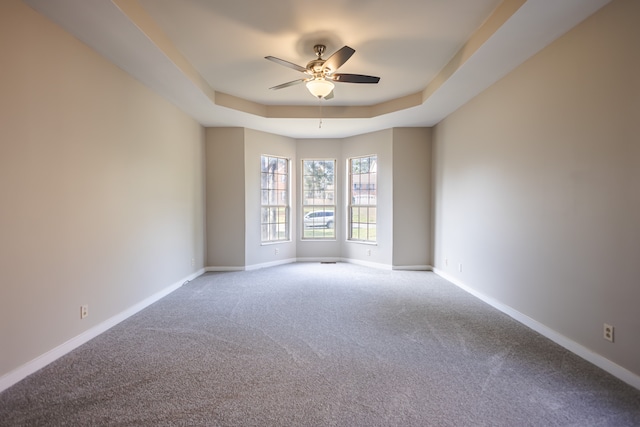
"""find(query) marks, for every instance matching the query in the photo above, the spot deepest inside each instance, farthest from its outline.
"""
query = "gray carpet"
(320, 345)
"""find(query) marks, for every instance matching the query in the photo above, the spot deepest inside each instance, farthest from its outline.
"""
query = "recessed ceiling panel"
(405, 42)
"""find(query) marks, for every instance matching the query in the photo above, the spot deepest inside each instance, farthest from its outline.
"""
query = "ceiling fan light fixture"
(320, 87)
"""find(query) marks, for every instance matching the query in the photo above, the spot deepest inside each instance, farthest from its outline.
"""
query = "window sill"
(275, 243)
(362, 242)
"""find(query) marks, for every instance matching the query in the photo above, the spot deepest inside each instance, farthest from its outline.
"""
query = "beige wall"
(412, 197)
(537, 186)
(225, 197)
(101, 188)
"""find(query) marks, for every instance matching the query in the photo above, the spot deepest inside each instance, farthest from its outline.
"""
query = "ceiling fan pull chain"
(320, 102)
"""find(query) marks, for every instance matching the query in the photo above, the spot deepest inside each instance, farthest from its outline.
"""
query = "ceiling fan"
(322, 72)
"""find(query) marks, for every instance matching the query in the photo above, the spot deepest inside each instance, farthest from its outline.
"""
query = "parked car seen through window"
(322, 219)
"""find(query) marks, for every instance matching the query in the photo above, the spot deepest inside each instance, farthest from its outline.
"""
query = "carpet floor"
(312, 344)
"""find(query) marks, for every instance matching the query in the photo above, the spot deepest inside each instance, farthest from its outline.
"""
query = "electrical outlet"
(608, 332)
(368, 252)
(84, 311)
(446, 262)
(460, 267)
(276, 251)
(193, 262)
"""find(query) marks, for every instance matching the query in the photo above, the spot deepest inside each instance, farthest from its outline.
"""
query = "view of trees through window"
(318, 199)
(274, 188)
(363, 173)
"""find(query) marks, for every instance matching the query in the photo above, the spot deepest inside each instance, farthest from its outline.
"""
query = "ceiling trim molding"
(497, 19)
(147, 26)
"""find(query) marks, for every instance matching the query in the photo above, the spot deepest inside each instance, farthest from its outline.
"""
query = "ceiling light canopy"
(320, 87)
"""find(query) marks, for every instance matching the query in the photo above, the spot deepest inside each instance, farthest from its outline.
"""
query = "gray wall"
(537, 186)
(101, 185)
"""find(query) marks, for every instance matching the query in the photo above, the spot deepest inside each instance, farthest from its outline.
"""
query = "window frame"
(327, 233)
(283, 208)
(371, 208)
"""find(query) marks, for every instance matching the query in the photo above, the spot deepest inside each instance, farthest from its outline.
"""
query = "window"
(363, 198)
(318, 199)
(274, 188)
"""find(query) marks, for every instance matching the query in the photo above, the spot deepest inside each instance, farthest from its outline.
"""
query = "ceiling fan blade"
(336, 60)
(291, 83)
(354, 78)
(286, 63)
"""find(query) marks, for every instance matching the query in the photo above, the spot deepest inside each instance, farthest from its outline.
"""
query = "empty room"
(349, 213)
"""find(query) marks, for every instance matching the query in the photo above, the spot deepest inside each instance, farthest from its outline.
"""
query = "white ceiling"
(207, 56)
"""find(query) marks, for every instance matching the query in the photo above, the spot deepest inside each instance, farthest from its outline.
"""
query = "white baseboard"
(377, 265)
(322, 259)
(249, 267)
(209, 269)
(319, 259)
(288, 261)
(602, 362)
(270, 264)
(413, 267)
(43, 360)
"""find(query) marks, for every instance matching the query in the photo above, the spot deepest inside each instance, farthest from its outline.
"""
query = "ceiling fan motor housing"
(315, 68)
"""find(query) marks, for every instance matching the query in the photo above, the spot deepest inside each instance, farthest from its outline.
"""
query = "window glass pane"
(328, 197)
(318, 194)
(364, 165)
(355, 233)
(274, 198)
(319, 222)
(282, 166)
(363, 198)
(364, 216)
(364, 181)
(355, 166)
